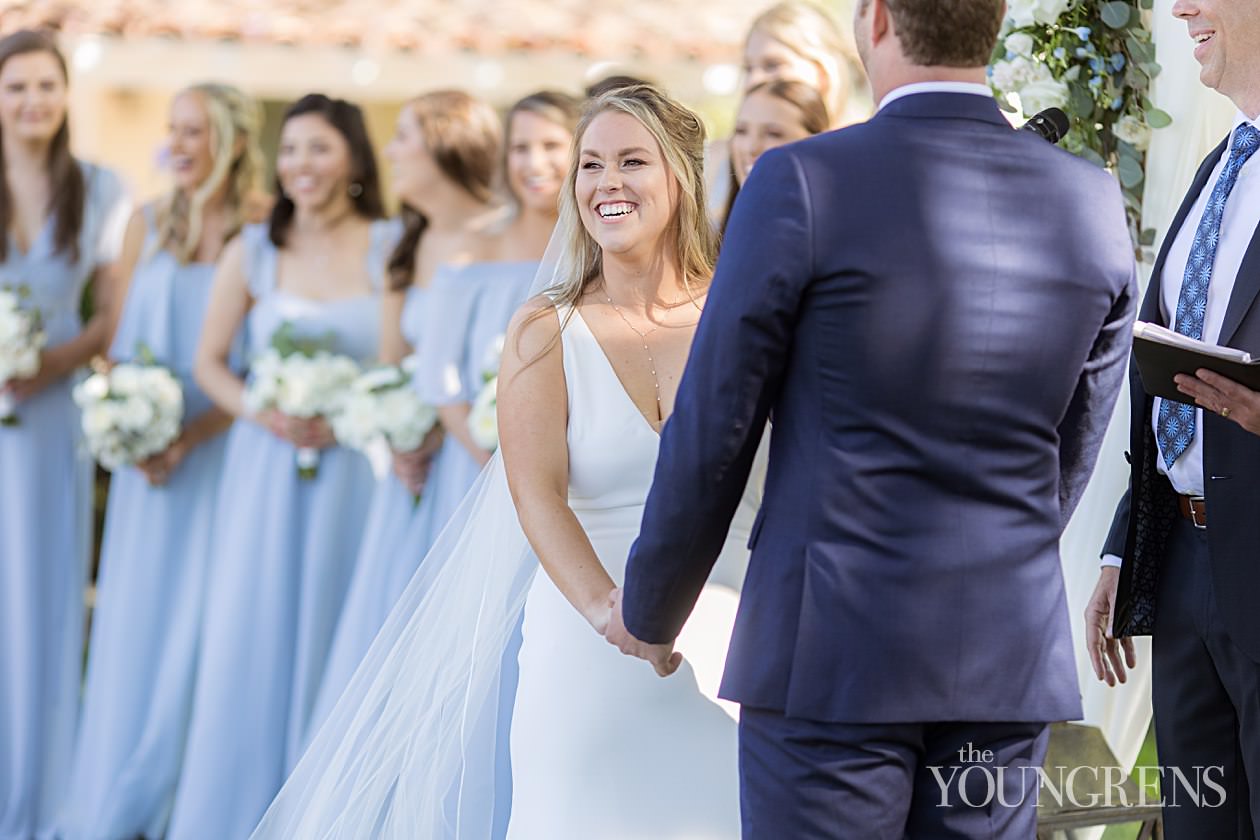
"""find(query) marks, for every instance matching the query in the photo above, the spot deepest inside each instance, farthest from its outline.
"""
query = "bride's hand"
(662, 657)
(599, 613)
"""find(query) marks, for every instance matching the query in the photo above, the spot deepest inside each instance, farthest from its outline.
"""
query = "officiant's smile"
(1213, 24)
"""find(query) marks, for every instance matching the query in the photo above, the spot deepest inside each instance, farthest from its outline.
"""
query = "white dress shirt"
(935, 87)
(1238, 228)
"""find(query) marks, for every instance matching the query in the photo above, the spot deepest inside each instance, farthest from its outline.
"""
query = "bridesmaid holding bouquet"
(158, 524)
(283, 545)
(444, 158)
(61, 226)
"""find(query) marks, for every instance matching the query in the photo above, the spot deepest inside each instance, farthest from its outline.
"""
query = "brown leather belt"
(1193, 508)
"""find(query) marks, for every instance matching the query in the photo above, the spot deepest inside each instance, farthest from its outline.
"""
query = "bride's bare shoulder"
(534, 331)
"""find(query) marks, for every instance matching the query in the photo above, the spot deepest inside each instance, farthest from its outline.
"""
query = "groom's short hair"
(948, 33)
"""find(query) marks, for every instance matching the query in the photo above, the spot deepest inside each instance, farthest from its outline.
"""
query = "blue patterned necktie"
(1176, 419)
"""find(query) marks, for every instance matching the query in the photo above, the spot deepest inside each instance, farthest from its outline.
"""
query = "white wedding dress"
(601, 747)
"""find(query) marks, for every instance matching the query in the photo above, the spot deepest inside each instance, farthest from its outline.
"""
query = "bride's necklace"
(646, 349)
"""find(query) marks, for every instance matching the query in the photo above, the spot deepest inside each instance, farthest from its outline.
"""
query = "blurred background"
(129, 56)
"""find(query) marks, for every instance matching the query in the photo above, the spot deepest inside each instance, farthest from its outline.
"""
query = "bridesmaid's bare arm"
(230, 302)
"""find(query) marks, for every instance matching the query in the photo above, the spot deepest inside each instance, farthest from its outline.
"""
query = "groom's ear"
(881, 21)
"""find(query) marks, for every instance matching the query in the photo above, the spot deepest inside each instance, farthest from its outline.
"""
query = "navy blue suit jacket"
(938, 310)
(1231, 469)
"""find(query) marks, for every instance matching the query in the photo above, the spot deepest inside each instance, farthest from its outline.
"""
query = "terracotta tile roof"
(704, 30)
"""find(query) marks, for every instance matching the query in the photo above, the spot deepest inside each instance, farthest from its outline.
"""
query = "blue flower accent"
(1117, 103)
(1117, 61)
(1083, 32)
(1059, 52)
(1081, 52)
(1095, 83)
(1096, 65)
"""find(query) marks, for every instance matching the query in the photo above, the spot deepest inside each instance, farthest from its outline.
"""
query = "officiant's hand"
(1223, 396)
(663, 658)
(1104, 649)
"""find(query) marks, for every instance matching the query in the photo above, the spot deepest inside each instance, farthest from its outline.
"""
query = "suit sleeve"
(1119, 532)
(730, 384)
(1082, 429)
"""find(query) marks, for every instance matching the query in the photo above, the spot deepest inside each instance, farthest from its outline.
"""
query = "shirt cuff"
(1111, 560)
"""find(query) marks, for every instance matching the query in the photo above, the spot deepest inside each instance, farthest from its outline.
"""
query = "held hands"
(302, 432)
(158, 468)
(22, 390)
(412, 468)
(1223, 396)
(663, 658)
(1104, 649)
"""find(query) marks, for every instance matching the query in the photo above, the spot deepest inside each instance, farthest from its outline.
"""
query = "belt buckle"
(1194, 512)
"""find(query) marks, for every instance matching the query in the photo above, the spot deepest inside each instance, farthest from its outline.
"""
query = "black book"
(1161, 354)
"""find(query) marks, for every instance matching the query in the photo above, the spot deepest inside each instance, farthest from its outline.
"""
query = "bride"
(601, 749)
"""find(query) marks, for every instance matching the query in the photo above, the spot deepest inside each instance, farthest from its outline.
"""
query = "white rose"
(1021, 13)
(126, 379)
(97, 420)
(137, 412)
(1019, 43)
(1011, 76)
(1048, 11)
(1041, 93)
(1133, 131)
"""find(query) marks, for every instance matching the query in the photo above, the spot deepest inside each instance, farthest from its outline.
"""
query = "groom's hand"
(662, 657)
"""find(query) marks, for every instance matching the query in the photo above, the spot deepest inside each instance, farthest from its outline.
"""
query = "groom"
(934, 312)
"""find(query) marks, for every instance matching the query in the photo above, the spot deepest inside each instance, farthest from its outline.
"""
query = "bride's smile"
(623, 185)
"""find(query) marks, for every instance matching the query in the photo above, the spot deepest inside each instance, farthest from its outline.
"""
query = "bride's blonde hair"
(680, 135)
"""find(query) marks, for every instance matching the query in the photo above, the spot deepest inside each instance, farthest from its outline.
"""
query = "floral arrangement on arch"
(1095, 60)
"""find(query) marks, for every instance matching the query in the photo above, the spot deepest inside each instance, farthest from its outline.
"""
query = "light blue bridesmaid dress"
(142, 655)
(482, 296)
(386, 561)
(450, 324)
(282, 558)
(468, 308)
(45, 509)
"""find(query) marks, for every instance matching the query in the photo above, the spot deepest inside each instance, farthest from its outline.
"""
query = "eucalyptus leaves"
(1095, 60)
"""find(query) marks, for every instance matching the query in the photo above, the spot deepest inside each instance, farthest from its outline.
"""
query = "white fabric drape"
(1201, 118)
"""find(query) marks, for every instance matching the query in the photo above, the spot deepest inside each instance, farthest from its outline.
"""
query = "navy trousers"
(809, 780)
(1206, 694)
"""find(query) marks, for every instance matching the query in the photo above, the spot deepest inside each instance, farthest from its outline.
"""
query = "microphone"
(1050, 125)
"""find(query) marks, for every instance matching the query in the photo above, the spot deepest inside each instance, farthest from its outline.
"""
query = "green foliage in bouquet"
(286, 341)
(1095, 60)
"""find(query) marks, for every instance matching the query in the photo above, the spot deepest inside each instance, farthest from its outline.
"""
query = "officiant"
(1180, 561)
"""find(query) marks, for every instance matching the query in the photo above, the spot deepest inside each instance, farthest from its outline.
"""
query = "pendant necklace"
(646, 349)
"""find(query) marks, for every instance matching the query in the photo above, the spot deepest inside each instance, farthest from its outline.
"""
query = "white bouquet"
(21, 340)
(483, 418)
(131, 412)
(381, 405)
(301, 379)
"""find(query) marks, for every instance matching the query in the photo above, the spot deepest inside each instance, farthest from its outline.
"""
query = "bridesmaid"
(284, 547)
(444, 157)
(489, 290)
(772, 114)
(61, 225)
(798, 41)
(496, 282)
(158, 523)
